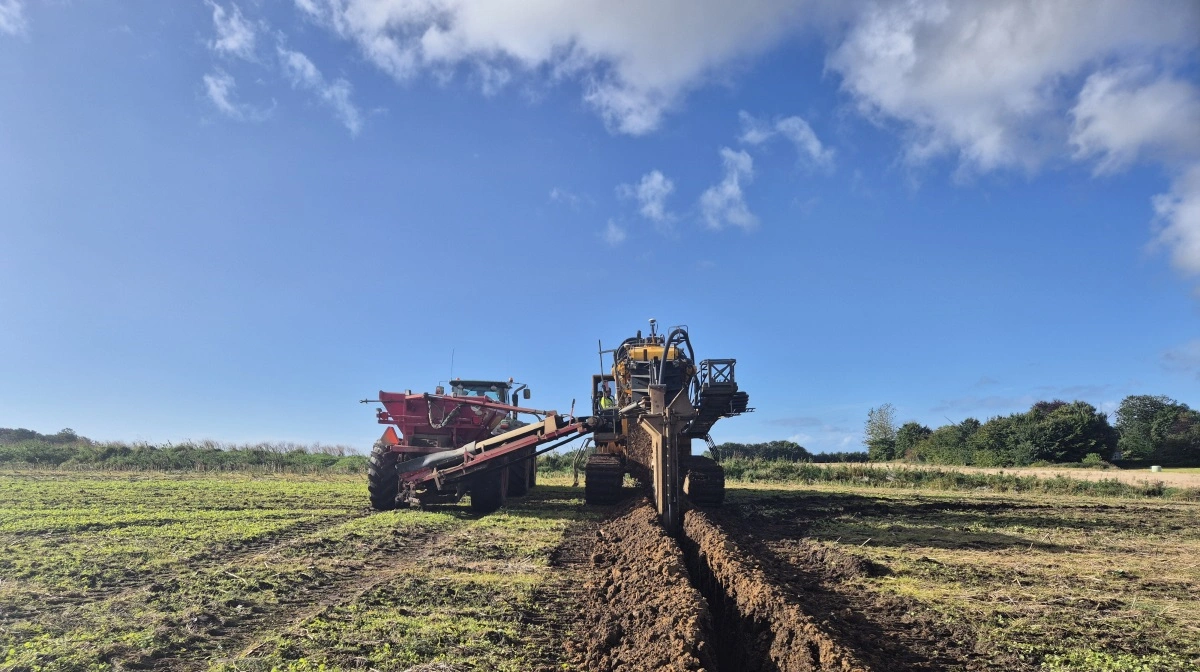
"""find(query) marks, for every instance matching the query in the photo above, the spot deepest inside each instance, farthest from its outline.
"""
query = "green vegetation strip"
(111, 571)
(763, 471)
(1049, 582)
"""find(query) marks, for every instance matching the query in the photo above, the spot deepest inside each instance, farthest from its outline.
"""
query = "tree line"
(66, 449)
(785, 451)
(1148, 430)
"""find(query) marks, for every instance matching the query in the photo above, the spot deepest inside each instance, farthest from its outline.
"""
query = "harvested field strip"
(971, 581)
(274, 573)
(483, 596)
(188, 614)
(1080, 482)
(133, 593)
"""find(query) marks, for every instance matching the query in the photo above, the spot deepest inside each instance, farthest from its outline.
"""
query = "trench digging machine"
(472, 442)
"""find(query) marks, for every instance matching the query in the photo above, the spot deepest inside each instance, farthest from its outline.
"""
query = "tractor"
(470, 441)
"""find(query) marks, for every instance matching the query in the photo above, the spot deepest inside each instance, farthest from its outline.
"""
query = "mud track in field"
(236, 553)
(722, 600)
(237, 636)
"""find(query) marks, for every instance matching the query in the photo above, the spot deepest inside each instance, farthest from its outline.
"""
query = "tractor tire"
(488, 491)
(532, 472)
(383, 483)
(518, 478)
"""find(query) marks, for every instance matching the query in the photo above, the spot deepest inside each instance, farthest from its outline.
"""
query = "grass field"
(1062, 583)
(106, 571)
(235, 572)
(1182, 477)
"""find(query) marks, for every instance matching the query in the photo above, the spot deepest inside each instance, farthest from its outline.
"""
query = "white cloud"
(336, 94)
(300, 70)
(635, 60)
(723, 204)
(984, 81)
(220, 86)
(1124, 113)
(570, 199)
(1178, 212)
(651, 194)
(12, 17)
(235, 35)
(613, 234)
(795, 129)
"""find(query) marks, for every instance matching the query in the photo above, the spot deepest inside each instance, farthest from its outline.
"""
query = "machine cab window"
(604, 394)
(492, 391)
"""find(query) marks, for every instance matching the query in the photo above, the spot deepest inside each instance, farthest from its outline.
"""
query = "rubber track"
(603, 477)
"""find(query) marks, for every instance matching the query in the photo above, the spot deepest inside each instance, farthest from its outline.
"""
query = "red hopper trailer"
(467, 442)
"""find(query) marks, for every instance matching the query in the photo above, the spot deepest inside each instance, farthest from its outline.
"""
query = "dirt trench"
(700, 603)
(640, 610)
(757, 625)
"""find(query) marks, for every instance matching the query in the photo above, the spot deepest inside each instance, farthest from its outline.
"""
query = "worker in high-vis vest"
(606, 400)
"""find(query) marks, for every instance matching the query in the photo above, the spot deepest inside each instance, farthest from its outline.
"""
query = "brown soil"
(640, 610)
(761, 626)
(886, 632)
(744, 591)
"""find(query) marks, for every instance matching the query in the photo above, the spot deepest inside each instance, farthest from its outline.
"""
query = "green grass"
(110, 570)
(1058, 582)
(238, 571)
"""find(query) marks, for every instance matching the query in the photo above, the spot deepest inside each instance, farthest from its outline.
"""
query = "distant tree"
(1140, 422)
(852, 456)
(1158, 429)
(772, 450)
(908, 436)
(880, 433)
(1061, 432)
(1181, 439)
(995, 444)
(784, 450)
(66, 435)
(1048, 406)
(948, 444)
(968, 427)
(725, 451)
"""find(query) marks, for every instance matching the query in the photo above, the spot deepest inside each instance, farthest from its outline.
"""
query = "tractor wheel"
(521, 475)
(488, 491)
(518, 478)
(382, 481)
(532, 471)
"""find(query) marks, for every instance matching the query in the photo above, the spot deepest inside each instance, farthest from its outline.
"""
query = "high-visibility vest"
(607, 402)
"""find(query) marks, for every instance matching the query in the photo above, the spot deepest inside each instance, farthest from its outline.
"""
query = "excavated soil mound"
(759, 626)
(887, 632)
(640, 610)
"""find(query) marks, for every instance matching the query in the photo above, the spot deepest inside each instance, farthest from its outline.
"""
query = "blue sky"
(232, 220)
